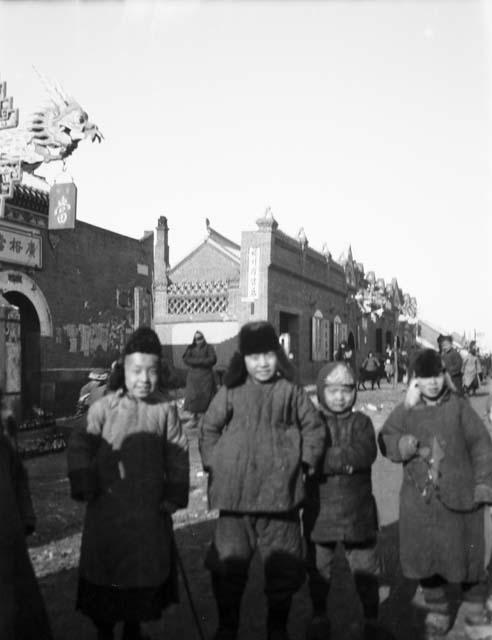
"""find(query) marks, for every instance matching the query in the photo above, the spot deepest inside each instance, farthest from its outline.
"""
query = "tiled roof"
(30, 198)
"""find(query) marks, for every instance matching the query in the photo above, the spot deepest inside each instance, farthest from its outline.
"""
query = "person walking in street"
(200, 357)
(22, 611)
(370, 370)
(446, 454)
(452, 360)
(340, 507)
(471, 369)
(257, 438)
(129, 462)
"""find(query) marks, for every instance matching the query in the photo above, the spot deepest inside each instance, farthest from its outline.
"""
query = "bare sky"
(365, 122)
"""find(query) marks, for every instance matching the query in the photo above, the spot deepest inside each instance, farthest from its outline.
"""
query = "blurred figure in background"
(452, 360)
(200, 357)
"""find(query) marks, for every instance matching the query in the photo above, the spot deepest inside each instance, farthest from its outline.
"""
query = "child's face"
(339, 390)
(141, 374)
(261, 367)
(431, 387)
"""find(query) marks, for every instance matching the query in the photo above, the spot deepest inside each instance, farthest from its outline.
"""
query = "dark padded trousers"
(278, 540)
(364, 565)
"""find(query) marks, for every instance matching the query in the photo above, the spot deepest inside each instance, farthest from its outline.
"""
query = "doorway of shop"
(289, 334)
(30, 351)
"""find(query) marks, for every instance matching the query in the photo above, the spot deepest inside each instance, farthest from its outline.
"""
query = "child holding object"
(446, 454)
(129, 461)
(340, 507)
(258, 436)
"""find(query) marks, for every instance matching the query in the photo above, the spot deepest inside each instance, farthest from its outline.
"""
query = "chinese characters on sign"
(63, 206)
(20, 246)
(253, 272)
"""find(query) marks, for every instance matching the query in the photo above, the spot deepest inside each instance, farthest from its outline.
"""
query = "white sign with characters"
(253, 272)
(20, 246)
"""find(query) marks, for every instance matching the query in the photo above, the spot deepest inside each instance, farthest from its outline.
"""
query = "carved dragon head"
(58, 128)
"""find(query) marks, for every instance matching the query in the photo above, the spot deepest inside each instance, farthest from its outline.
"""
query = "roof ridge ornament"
(267, 222)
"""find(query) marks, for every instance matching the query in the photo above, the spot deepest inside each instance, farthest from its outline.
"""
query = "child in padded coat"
(260, 433)
(340, 507)
(447, 477)
(129, 461)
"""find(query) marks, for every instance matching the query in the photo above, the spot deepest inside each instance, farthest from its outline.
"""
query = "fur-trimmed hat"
(258, 337)
(428, 364)
(143, 340)
(339, 373)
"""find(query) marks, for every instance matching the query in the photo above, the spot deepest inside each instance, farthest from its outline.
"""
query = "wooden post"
(395, 356)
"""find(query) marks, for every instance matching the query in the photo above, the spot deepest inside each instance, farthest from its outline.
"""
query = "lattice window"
(192, 297)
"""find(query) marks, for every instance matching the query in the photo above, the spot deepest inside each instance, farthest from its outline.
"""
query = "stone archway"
(19, 282)
(23, 292)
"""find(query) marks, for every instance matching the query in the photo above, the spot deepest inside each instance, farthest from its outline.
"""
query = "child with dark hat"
(259, 435)
(446, 453)
(129, 462)
(340, 506)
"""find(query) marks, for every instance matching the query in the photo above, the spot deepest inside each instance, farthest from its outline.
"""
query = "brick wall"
(88, 279)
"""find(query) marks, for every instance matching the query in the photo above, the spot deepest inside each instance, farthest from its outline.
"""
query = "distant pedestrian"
(370, 370)
(446, 454)
(340, 507)
(452, 360)
(129, 462)
(22, 610)
(389, 368)
(200, 357)
(471, 369)
(340, 354)
(259, 435)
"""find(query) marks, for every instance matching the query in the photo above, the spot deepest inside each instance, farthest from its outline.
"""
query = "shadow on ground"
(401, 619)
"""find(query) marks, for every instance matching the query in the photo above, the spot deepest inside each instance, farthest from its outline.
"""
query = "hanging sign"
(63, 206)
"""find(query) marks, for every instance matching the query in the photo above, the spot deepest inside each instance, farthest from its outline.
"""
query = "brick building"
(79, 293)
(313, 301)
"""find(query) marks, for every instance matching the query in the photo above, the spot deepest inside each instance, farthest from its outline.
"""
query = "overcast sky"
(366, 122)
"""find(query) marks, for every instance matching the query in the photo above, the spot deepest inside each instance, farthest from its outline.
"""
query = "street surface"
(55, 561)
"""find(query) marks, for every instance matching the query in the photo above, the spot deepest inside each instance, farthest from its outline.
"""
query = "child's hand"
(413, 394)
(482, 494)
(309, 471)
(408, 446)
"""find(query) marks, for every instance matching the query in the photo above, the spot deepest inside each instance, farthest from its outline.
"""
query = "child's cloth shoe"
(437, 624)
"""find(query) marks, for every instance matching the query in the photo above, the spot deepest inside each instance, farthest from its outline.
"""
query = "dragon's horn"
(51, 89)
(61, 92)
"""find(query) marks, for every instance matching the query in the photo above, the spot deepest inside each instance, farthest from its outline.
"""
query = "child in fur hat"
(340, 507)
(129, 462)
(258, 436)
(447, 477)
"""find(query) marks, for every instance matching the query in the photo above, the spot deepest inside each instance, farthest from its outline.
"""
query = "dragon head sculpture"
(58, 129)
(51, 133)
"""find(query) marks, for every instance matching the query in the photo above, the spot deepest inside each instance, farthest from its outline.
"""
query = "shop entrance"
(30, 351)
(289, 334)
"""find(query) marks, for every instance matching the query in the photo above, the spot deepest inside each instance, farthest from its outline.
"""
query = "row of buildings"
(70, 299)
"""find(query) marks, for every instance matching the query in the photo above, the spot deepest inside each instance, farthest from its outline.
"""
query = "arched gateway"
(35, 321)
